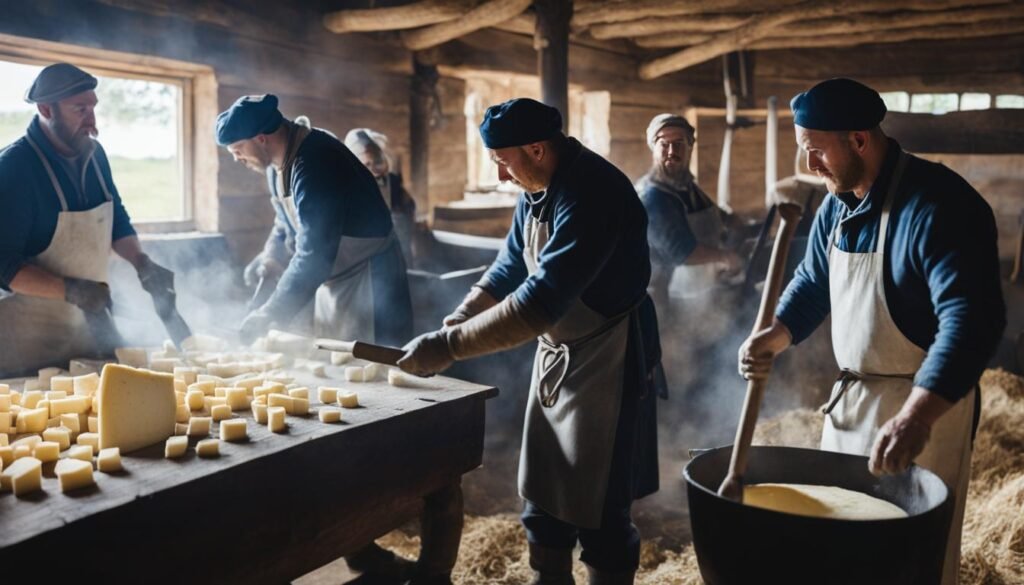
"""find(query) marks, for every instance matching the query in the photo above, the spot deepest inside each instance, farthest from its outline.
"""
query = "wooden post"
(551, 40)
(421, 106)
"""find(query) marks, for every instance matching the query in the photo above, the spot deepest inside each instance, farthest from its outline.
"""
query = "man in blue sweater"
(903, 255)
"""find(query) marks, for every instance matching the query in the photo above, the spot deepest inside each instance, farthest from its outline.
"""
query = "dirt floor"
(493, 542)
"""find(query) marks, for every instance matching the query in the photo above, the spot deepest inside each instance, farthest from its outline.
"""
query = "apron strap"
(49, 171)
(848, 376)
(883, 224)
(99, 175)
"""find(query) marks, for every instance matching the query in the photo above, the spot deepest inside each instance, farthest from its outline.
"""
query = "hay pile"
(494, 547)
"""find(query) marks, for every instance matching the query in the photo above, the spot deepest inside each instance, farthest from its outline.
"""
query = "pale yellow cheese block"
(83, 452)
(194, 399)
(90, 439)
(237, 398)
(22, 477)
(259, 412)
(86, 385)
(354, 374)
(64, 384)
(206, 387)
(92, 424)
(180, 429)
(6, 455)
(136, 408)
(55, 394)
(821, 501)
(327, 395)
(275, 419)
(73, 474)
(175, 447)
(220, 412)
(199, 426)
(5, 402)
(46, 451)
(210, 401)
(71, 405)
(32, 420)
(301, 392)
(71, 422)
(329, 415)
(109, 460)
(233, 430)
(208, 448)
(59, 435)
(348, 400)
(31, 398)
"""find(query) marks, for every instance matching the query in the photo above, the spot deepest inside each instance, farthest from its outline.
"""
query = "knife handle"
(377, 353)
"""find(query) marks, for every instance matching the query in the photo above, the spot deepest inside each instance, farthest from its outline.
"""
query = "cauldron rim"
(693, 483)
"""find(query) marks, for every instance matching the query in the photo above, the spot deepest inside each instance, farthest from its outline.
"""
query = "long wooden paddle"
(732, 487)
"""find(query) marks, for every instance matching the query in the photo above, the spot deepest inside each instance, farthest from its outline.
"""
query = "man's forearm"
(130, 249)
(38, 282)
(925, 406)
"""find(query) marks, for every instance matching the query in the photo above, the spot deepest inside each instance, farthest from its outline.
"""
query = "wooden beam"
(952, 31)
(841, 25)
(416, 14)
(765, 25)
(637, 9)
(552, 45)
(698, 23)
(524, 24)
(972, 132)
(488, 14)
(421, 108)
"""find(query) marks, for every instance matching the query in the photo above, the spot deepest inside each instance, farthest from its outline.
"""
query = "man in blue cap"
(342, 272)
(573, 273)
(62, 216)
(903, 255)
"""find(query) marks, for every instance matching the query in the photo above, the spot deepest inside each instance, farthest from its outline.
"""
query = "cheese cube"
(109, 460)
(372, 371)
(179, 397)
(402, 379)
(5, 389)
(282, 400)
(213, 381)
(301, 392)
(16, 396)
(86, 385)
(340, 357)
(237, 398)
(83, 452)
(90, 439)
(165, 365)
(73, 474)
(330, 415)
(175, 447)
(31, 441)
(261, 399)
(59, 435)
(24, 476)
(4, 441)
(72, 405)
(22, 451)
(5, 423)
(220, 391)
(348, 400)
(93, 424)
(44, 404)
(6, 456)
(64, 384)
(182, 414)
(55, 394)
(186, 374)
(327, 395)
(263, 391)
(53, 422)
(135, 357)
(199, 426)
(136, 408)
(275, 419)
(32, 420)
(207, 388)
(71, 422)
(5, 402)
(180, 429)
(259, 412)
(46, 451)
(208, 448)
(31, 399)
(220, 412)
(233, 430)
(194, 400)
(210, 401)
(300, 407)
(354, 374)
(180, 386)
(249, 384)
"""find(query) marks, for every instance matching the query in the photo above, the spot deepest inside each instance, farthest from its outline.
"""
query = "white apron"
(573, 409)
(707, 228)
(343, 307)
(39, 332)
(878, 364)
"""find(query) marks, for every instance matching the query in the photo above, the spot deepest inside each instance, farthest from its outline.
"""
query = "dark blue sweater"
(941, 272)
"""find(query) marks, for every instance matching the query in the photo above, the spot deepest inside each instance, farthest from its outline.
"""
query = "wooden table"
(268, 510)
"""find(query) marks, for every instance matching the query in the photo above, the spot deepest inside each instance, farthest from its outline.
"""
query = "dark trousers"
(613, 548)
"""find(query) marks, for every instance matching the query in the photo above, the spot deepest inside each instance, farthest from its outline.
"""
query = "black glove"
(88, 295)
(427, 355)
(155, 279)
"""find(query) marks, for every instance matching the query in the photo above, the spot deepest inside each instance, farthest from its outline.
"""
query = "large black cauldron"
(743, 545)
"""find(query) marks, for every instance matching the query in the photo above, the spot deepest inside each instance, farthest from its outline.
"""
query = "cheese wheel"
(820, 501)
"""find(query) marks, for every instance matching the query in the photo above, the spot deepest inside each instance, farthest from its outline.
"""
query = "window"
(934, 103)
(140, 127)
(896, 101)
(1010, 101)
(975, 101)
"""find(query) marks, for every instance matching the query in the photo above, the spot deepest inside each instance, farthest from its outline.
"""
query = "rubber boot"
(379, 564)
(551, 566)
(599, 577)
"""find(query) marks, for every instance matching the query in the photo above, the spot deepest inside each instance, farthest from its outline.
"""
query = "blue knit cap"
(517, 122)
(838, 104)
(248, 117)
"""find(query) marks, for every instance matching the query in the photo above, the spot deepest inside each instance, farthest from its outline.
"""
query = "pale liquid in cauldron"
(820, 501)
